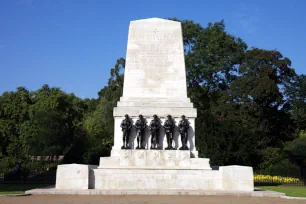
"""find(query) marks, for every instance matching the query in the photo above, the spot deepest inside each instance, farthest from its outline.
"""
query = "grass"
(18, 188)
(289, 191)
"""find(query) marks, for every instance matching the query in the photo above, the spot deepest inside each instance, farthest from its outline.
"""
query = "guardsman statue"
(140, 129)
(126, 126)
(154, 128)
(183, 128)
(169, 126)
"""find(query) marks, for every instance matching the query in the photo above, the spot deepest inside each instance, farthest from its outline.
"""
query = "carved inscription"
(154, 50)
(155, 57)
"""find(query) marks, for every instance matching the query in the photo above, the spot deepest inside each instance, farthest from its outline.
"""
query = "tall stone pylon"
(155, 78)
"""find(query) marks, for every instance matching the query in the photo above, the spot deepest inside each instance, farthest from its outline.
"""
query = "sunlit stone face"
(155, 65)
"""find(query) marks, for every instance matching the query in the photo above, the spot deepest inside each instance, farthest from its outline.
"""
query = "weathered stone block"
(73, 176)
(237, 178)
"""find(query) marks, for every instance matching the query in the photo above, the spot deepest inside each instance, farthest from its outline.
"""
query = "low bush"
(275, 179)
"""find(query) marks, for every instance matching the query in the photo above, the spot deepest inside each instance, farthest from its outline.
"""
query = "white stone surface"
(160, 179)
(259, 193)
(199, 163)
(155, 65)
(153, 159)
(227, 179)
(237, 178)
(73, 176)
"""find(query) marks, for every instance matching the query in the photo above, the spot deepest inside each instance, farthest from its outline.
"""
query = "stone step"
(229, 178)
(160, 111)
(155, 99)
(154, 104)
(154, 159)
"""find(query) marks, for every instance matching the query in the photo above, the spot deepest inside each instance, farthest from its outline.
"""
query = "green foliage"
(271, 156)
(302, 133)
(297, 148)
(238, 95)
(19, 188)
(92, 156)
(6, 164)
(296, 92)
(14, 114)
(285, 167)
(55, 116)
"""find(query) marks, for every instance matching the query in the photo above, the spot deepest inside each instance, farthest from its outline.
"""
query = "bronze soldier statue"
(183, 128)
(169, 126)
(126, 126)
(154, 128)
(140, 128)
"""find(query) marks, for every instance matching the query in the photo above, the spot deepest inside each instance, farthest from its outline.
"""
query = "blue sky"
(72, 44)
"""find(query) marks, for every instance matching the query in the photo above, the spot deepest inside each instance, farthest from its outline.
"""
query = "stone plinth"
(164, 170)
(157, 179)
(73, 176)
(154, 159)
(236, 178)
(174, 179)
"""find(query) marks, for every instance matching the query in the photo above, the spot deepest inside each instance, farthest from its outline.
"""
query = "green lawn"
(18, 188)
(289, 191)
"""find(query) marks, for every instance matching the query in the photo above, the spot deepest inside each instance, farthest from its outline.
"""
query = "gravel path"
(69, 199)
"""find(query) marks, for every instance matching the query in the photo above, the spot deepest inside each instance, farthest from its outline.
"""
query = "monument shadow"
(190, 138)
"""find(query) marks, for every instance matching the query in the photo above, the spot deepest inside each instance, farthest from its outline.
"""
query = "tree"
(253, 111)
(14, 113)
(57, 117)
(296, 94)
(297, 148)
(110, 95)
(263, 74)
(239, 95)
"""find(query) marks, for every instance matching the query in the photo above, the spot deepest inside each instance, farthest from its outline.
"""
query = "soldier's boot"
(169, 142)
(152, 142)
(123, 146)
(137, 142)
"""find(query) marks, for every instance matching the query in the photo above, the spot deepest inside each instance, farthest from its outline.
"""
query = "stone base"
(158, 170)
(153, 159)
(227, 179)
(257, 193)
(230, 178)
(156, 179)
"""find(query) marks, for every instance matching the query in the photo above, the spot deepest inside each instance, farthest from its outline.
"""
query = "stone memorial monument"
(155, 85)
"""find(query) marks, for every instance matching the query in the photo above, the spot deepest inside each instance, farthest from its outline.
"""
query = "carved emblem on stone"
(126, 155)
(156, 155)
